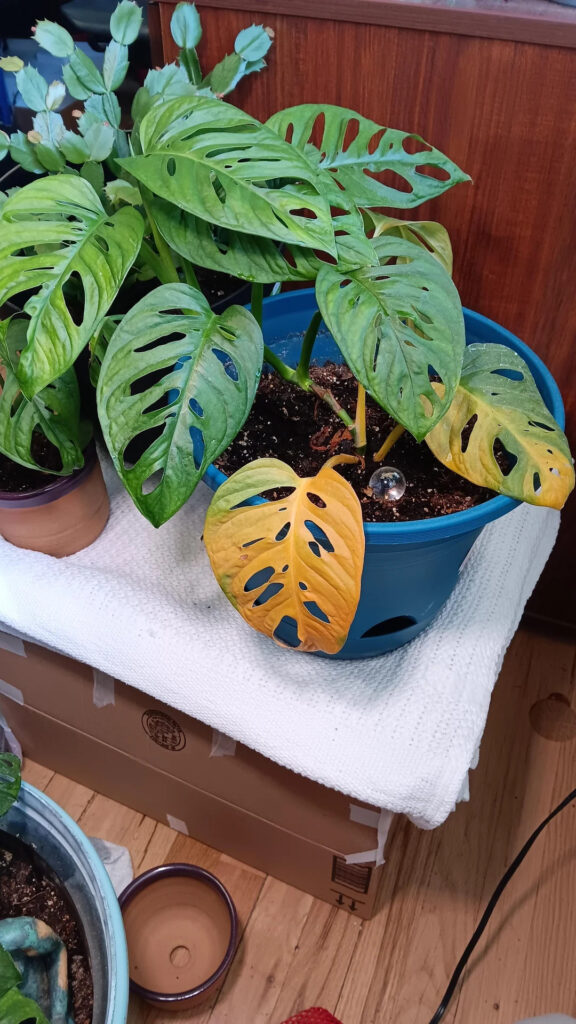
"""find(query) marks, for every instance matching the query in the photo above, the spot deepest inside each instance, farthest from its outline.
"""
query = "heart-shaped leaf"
(356, 149)
(258, 259)
(499, 433)
(216, 162)
(87, 247)
(205, 373)
(398, 325)
(54, 412)
(9, 781)
(289, 564)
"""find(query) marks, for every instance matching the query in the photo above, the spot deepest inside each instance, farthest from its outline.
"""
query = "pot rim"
(148, 878)
(437, 527)
(57, 488)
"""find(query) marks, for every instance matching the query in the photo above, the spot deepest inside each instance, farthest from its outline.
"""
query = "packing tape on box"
(381, 821)
(12, 644)
(12, 692)
(177, 824)
(103, 691)
(222, 745)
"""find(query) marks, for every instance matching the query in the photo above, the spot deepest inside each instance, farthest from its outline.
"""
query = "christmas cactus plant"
(199, 183)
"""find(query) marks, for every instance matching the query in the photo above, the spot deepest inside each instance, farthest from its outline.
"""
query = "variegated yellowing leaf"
(398, 325)
(355, 150)
(428, 234)
(499, 433)
(293, 565)
(179, 380)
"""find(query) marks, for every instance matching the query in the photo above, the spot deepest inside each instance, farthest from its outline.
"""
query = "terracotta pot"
(61, 517)
(182, 929)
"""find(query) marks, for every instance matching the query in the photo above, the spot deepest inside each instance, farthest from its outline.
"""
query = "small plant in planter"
(199, 183)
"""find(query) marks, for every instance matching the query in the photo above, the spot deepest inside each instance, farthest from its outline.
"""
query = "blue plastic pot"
(42, 824)
(410, 569)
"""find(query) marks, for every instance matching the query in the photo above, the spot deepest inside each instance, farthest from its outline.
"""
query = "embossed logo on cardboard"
(163, 730)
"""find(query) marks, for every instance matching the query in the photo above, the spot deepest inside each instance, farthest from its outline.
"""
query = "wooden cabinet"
(493, 85)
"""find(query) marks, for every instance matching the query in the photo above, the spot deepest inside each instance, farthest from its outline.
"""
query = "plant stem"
(169, 272)
(256, 299)
(302, 374)
(393, 436)
(286, 372)
(190, 274)
(151, 259)
(360, 421)
(307, 384)
(326, 395)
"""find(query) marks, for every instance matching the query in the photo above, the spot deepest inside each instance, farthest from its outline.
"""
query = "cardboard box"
(117, 740)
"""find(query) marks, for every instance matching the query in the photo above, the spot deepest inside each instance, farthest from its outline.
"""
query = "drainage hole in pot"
(180, 956)
(393, 625)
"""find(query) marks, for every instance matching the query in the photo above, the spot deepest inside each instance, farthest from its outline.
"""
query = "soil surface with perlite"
(26, 890)
(299, 428)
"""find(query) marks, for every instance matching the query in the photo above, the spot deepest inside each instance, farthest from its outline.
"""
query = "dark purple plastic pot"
(182, 930)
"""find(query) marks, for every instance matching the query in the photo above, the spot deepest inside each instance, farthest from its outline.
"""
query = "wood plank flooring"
(297, 952)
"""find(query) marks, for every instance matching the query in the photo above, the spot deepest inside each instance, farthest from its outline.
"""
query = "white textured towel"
(399, 731)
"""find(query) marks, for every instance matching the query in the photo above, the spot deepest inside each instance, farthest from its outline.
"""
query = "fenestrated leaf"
(65, 213)
(32, 87)
(99, 344)
(16, 1008)
(354, 148)
(206, 369)
(125, 22)
(397, 324)
(9, 781)
(216, 162)
(289, 562)
(430, 235)
(185, 26)
(53, 38)
(257, 259)
(115, 64)
(498, 411)
(55, 411)
(253, 43)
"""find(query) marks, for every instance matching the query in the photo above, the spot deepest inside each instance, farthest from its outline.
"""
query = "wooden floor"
(297, 952)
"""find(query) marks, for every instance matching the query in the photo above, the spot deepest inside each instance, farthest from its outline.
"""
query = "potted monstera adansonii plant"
(327, 548)
(75, 246)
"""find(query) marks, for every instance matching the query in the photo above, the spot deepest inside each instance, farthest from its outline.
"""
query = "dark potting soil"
(17, 479)
(27, 888)
(289, 424)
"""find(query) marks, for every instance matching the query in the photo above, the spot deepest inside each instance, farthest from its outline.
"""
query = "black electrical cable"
(491, 905)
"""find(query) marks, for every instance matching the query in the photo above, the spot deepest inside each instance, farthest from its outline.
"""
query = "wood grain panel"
(504, 112)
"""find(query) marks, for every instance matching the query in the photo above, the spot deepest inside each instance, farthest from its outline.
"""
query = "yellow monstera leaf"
(498, 411)
(294, 563)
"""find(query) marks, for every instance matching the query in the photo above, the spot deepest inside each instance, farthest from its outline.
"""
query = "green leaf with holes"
(257, 259)
(54, 412)
(9, 781)
(354, 149)
(221, 165)
(499, 433)
(125, 22)
(394, 323)
(206, 370)
(87, 246)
